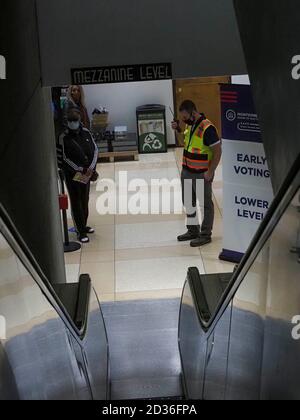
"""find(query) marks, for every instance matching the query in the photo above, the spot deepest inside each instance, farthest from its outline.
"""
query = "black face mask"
(190, 121)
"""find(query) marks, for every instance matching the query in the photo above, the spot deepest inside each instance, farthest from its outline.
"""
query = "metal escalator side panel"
(199, 296)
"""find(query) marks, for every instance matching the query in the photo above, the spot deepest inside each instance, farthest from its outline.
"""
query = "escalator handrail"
(17, 244)
(272, 217)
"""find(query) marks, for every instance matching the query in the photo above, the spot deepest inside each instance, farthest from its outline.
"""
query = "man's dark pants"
(193, 186)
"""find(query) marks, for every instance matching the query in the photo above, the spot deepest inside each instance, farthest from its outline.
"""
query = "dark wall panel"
(19, 45)
(271, 38)
(28, 181)
(200, 37)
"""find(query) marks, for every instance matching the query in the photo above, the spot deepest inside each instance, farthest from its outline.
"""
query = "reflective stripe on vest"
(196, 160)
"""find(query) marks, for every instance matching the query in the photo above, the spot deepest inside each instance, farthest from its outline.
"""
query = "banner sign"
(247, 190)
(121, 74)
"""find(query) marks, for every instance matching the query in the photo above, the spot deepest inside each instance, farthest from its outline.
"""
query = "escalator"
(238, 338)
(238, 335)
(60, 343)
(53, 343)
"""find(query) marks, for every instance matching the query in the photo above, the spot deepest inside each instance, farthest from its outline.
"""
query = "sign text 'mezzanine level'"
(121, 74)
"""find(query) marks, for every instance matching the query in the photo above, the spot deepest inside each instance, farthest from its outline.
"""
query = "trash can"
(151, 127)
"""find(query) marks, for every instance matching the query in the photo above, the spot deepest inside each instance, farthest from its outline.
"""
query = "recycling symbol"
(152, 142)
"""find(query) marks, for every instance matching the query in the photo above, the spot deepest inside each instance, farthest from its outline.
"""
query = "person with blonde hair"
(76, 100)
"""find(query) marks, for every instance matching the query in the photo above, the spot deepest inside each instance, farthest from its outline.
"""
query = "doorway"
(205, 93)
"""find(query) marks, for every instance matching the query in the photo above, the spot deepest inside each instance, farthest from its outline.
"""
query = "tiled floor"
(134, 257)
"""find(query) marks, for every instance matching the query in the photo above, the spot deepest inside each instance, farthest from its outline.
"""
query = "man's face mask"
(73, 124)
(190, 121)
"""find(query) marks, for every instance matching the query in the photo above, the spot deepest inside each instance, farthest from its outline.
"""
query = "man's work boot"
(201, 241)
(189, 235)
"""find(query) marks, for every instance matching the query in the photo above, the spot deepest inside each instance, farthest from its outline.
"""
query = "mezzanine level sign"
(121, 74)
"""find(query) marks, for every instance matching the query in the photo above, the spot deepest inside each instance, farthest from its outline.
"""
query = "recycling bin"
(151, 128)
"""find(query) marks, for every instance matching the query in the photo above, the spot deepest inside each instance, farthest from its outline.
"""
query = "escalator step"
(145, 361)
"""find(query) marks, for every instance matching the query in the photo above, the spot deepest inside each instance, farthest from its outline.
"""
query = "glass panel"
(261, 340)
(216, 360)
(36, 359)
(281, 362)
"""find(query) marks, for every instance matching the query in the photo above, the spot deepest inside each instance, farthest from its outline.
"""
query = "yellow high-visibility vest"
(196, 155)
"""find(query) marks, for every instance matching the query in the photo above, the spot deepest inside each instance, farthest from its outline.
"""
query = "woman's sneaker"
(89, 230)
(83, 239)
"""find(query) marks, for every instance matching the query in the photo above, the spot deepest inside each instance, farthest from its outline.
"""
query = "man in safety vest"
(202, 155)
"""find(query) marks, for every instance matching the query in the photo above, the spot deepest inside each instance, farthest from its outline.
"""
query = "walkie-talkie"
(178, 129)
